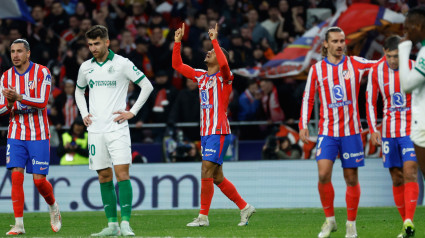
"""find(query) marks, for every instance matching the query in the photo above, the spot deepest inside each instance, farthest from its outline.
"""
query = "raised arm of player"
(307, 103)
(221, 58)
(410, 79)
(177, 61)
(371, 99)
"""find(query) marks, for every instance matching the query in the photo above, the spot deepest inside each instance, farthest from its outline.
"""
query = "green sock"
(126, 199)
(109, 199)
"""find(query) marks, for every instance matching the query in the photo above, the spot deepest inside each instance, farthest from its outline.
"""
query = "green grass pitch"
(379, 222)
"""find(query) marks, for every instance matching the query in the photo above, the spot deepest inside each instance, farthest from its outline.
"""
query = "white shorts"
(417, 135)
(108, 149)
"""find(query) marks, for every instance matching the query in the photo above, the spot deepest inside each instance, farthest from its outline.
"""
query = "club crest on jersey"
(31, 84)
(111, 70)
(346, 74)
(211, 83)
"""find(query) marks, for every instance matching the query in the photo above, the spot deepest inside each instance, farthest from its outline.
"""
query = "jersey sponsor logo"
(103, 83)
(346, 156)
(206, 106)
(357, 154)
(204, 96)
(339, 104)
(405, 150)
(210, 150)
(23, 106)
(35, 162)
(397, 100)
(399, 109)
(32, 110)
(338, 92)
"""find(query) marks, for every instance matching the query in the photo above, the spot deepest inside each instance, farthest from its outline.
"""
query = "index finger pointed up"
(216, 27)
(183, 29)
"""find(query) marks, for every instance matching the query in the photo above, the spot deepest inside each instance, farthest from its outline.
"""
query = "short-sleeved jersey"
(28, 118)
(397, 104)
(108, 85)
(338, 86)
(418, 94)
(214, 92)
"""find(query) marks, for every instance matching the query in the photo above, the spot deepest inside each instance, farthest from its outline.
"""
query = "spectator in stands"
(184, 111)
(271, 23)
(249, 102)
(160, 51)
(65, 109)
(198, 31)
(73, 60)
(57, 20)
(232, 14)
(258, 31)
(283, 150)
(72, 148)
(270, 101)
(81, 11)
(69, 6)
(127, 45)
(160, 103)
(102, 17)
(141, 57)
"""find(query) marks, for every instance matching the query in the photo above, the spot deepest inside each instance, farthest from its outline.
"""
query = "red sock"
(398, 193)
(45, 189)
(207, 192)
(18, 198)
(411, 193)
(327, 195)
(230, 191)
(352, 197)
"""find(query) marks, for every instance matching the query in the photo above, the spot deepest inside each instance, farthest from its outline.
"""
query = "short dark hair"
(23, 41)
(97, 31)
(391, 43)
(418, 11)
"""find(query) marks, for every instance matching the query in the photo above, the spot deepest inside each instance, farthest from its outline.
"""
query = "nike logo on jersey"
(126, 205)
(43, 168)
(358, 160)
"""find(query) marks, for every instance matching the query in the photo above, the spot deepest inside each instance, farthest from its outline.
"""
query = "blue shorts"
(214, 147)
(350, 149)
(34, 155)
(396, 151)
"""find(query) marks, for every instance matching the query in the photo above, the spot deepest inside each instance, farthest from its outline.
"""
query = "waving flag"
(365, 27)
(15, 9)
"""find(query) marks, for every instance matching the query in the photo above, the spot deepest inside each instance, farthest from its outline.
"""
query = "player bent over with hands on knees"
(397, 152)
(215, 86)
(337, 79)
(107, 76)
(25, 94)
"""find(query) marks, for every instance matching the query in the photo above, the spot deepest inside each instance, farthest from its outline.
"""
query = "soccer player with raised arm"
(25, 93)
(215, 86)
(107, 75)
(413, 81)
(337, 79)
(398, 153)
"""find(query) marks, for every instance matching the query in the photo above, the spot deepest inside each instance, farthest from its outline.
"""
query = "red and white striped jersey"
(397, 104)
(338, 86)
(214, 91)
(28, 118)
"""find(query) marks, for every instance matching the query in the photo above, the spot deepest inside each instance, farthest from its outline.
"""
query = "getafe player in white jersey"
(107, 76)
(337, 79)
(397, 148)
(414, 80)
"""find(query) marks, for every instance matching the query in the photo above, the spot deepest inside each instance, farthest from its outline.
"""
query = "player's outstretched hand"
(375, 138)
(178, 35)
(87, 120)
(123, 116)
(213, 32)
(304, 134)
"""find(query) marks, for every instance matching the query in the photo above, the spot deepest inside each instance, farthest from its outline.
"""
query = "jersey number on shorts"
(7, 151)
(385, 147)
(320, 142)
(92, 150)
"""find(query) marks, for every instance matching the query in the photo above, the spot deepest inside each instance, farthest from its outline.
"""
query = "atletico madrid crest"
(31, 85)
(346, 74)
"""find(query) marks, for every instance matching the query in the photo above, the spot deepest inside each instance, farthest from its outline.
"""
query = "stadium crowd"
(252, 31)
